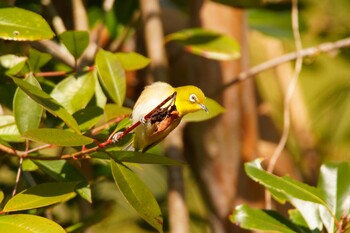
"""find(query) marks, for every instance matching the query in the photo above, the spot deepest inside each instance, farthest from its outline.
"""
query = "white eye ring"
(193, 98)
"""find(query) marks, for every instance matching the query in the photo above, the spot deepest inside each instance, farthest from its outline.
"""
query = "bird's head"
(189, 99)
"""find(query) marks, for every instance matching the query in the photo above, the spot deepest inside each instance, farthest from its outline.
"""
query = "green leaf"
(132, 61)
(10, 60)
(137, 157)
(8, 129)
(74, 93)
(37, 59)
(88, 117)
(41, 195)
(285, 184)
(112, 111)
(336, 190)
(57, 137)
(309, 211)
(266, 22)
(262, 220)
(29, 166)
(1, 196)
(20, 24)
(206, 43)
(47, 102)
(297, 218)
(100, 98)
(112, 75)
(63, 171)
(214, 109)
(75, 41)
(26, 111)
(18, 68)
(25, 223)
(138, 195)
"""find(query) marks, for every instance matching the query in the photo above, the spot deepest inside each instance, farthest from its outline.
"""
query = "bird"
(154, 129)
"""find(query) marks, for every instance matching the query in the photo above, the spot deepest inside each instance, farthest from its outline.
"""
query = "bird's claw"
(143, 120)
(116, 137)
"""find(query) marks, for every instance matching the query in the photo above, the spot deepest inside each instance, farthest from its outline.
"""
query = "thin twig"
(55, 50)
(19, 172)
(80, 17)
(311, 51)
(116, 137)
(288, 96)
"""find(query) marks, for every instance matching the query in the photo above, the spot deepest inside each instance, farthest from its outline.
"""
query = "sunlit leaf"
(284, 184)
(75, 41)
(41, 195)
(10, 60)
(8, 129)
(112, 75)
(137, 157)
(309, 211)
(26, 111)
(132, 60)
(74, 93)
(25, 223)
(57, 137)
(29, 166)
(262, 220)
(37, 59)
(47, 102)
(18, 68)
(138, 195)
(206, 43)
(336, 191)
(21, 24)
(62, 170)
(214, 109)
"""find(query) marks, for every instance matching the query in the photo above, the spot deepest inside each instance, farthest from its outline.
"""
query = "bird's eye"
(193, 98)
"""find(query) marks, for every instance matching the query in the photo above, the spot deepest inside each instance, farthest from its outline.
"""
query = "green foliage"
(41, 195)
(47, 102)
(57, 137)
(75, 41)
(316, 207)
(26, 111)
(112, 75)
(206, 43)
(73, 116)
(20, 25)
(137, 194)
(26, 223)
(74, 93)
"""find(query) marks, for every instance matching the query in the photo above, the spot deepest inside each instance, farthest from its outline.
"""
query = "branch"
(113, 138)
(288, 97)
(57, 21)
(307, 52)
(55, 50)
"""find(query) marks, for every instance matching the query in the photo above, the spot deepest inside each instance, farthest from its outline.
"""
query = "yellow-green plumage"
(188, 99)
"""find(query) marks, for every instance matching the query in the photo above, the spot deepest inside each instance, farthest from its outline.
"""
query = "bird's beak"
(204, 107)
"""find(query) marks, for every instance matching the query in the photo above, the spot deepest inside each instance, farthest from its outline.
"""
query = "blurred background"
(214, 182)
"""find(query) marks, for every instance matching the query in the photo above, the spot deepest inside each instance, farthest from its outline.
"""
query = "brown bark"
(215, 148)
